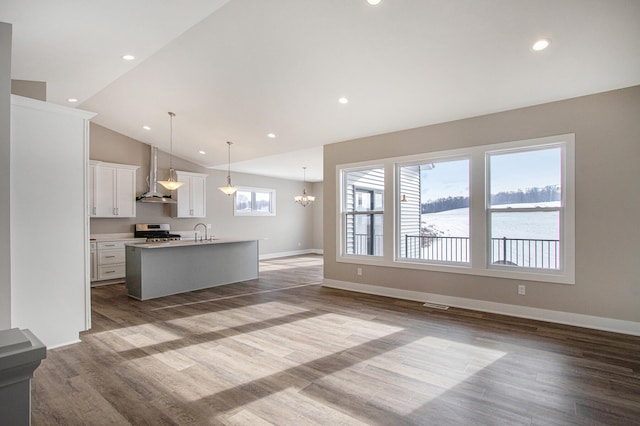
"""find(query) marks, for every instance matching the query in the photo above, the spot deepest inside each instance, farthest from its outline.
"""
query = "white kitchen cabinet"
(94, 261)
(113, 189)
(110, 260)
(192, 196)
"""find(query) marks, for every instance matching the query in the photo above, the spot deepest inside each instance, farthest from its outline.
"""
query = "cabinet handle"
(109, 272)
(109, 245)
(109, 257)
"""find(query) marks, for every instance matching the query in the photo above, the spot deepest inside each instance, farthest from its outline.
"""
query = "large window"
(255, 202)
(434, 211)
(524, 207)
(503, 210)
(363, 212)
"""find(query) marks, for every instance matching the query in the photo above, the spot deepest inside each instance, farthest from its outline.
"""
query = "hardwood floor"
(283, 350)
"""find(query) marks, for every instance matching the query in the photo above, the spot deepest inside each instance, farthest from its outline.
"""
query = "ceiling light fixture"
(72, 100)
(202, 152)
(374, 2)
(146, 127)
(304, 200)
(128, 57)
(171, 184)
(343, 101)
(541, 44)
(229, 189)
(271, 135)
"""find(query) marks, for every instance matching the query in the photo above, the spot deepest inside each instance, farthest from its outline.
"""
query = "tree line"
(529, 195)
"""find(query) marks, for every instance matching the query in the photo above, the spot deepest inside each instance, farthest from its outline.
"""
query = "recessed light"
(72, 100)
(128, 57)
(202, 152)
(343, 101)
(374, 2)
(541, 44)
(146, 127)
(271, 135)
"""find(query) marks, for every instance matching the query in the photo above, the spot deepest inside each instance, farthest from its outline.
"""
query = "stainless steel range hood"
(153, 196)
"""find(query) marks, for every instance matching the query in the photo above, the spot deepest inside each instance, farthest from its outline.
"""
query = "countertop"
(184, 243)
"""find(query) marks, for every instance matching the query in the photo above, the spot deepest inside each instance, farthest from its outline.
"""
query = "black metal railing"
(523, 252)
(526, 252)
(442, 249)
(367, 244)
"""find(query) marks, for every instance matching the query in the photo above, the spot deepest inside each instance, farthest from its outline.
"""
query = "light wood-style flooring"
(283, 350)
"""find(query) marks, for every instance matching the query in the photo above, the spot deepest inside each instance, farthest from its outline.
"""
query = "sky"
(509, 172)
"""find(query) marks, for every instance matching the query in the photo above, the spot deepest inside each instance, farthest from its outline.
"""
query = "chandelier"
(304, 200)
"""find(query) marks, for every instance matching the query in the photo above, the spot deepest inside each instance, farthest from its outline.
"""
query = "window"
(362, 212)
(524, 207)
(434, 211)
(255, 202)
(503, 210)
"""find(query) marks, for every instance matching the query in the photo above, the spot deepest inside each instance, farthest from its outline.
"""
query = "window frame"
(478, 222)
(253, 191)
(343, 214)
(560, 209)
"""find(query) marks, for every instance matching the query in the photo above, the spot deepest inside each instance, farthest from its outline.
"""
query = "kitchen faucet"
(206, 237)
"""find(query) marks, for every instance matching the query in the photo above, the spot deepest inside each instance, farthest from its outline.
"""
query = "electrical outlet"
(359, 271)
(522, 289)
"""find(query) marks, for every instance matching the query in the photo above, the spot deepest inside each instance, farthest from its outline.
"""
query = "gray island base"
(161, 269)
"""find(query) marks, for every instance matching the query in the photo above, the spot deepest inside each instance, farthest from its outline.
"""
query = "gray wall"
(5, 222)
(30, 89)
(607, 129)
(290, 230)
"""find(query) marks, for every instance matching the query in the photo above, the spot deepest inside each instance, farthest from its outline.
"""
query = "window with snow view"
(524, 207)
(434, 212)
(501, 210)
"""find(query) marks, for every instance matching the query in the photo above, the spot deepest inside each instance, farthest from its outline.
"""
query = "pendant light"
(229, 189)
(171, 184)
(304, 200)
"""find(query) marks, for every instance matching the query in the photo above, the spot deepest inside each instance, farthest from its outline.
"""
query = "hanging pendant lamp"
(229, 189)
(304, 200)
(172, 183)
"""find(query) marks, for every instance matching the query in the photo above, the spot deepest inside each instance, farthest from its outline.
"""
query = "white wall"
(49, 222)
(5, 223)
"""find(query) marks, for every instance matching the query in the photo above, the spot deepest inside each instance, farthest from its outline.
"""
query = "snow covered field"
(512, 225)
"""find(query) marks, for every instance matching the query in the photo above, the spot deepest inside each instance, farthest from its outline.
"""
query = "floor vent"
(436, 306)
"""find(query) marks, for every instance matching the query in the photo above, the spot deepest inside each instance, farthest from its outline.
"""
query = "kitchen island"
(163, 268)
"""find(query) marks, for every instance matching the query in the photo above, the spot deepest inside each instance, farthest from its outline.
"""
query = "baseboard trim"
(559, 317)
(60, 345)
(289, 253)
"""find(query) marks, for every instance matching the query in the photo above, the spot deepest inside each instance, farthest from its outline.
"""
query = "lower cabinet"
(94, 261)
(109, 261)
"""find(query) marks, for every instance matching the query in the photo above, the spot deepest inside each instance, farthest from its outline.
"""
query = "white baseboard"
(289, 253)
(73, 342)
(567, 318)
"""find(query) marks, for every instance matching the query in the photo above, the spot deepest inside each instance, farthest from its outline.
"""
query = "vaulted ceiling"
(238, 70)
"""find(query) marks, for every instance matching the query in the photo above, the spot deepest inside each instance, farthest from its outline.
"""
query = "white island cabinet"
(113, 189)
(191, 197)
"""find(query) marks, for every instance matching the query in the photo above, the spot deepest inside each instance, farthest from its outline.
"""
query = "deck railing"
(523, 252)
(368, 244)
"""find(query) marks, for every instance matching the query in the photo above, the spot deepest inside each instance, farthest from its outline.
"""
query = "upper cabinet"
(113, 189)
(192, 196)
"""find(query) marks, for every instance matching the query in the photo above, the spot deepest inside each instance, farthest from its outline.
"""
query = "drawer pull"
(109, 257)
(109, 272)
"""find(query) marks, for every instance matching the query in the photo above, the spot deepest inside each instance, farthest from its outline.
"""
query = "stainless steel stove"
(155, 232)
